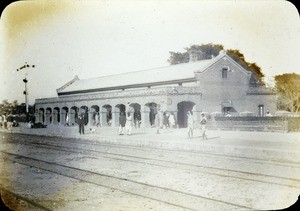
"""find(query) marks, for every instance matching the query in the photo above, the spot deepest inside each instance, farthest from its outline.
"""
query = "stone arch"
(65, 116)
(182, 108)
(121, 107)
(85, 110)
(118, 109)
(48, 119)
(135, 109)
(35, 116)
(152, 112)
(107, 115)
(73, 115)
(41, 112)
(94, 114)
(56, 115)
(95, 108)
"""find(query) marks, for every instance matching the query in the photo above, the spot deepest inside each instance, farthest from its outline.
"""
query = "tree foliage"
(7, 108)
(13, 107)
(208, 51)
(237, 56)
(287, 87)
(178, 57)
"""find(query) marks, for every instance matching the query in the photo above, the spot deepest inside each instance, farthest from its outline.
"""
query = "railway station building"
(215, 86)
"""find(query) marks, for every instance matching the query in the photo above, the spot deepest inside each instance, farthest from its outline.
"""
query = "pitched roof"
(184, 72)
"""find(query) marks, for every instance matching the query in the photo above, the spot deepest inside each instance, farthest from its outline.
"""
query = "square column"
(114, 117)
(145, 112)
(45, 118)
(52, 118)
(100, 116)
(90, 122)
(62, 118)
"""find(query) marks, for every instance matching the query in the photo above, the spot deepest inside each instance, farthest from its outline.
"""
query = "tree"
(14, 107)
(207, 51)
(6, 107)
(237, 56)
(177, 57)
(287, 87)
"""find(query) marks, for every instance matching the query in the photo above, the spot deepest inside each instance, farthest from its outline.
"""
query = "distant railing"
(255, 123)
(262, 90)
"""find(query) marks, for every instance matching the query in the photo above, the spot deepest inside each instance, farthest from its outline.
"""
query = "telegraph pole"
(25, 92)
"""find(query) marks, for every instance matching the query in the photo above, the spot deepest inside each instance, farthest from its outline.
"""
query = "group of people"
(7, 122)
(125, 122)
(191, 125)
(164, 120)
(169, 120)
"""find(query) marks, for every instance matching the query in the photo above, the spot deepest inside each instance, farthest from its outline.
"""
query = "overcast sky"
(96, 38)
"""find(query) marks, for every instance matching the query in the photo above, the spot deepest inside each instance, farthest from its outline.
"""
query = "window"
(224, 72)
(261, 110)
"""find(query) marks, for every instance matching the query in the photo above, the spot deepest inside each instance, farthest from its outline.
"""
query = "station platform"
(253, 144)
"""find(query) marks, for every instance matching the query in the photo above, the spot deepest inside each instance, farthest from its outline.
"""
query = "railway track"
(43, 139)
(138, 155)
(131, 187)
(224, 172)
(72, 141)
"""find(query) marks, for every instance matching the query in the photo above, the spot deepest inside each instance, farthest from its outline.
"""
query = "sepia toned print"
(149, 105)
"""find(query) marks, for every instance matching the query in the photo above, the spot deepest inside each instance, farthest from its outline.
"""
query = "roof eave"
(67, 84)
(186, 80)
(218, 58)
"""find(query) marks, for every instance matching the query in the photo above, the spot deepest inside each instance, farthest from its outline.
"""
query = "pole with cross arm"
(25, 92)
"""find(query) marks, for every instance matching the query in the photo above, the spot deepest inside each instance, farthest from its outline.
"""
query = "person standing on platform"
(81, 123)
(172, 121)
(166, 120)
(122, 122)
(128, 123)
(152, 116)
(203, 122)
(137, 119)
(97, 123)
(109, 118)
(190, 124)
(67, 120)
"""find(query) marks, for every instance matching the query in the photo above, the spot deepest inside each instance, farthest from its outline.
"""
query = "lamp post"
(25, 92)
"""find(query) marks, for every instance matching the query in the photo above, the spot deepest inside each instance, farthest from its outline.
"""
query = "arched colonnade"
(108, 114)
